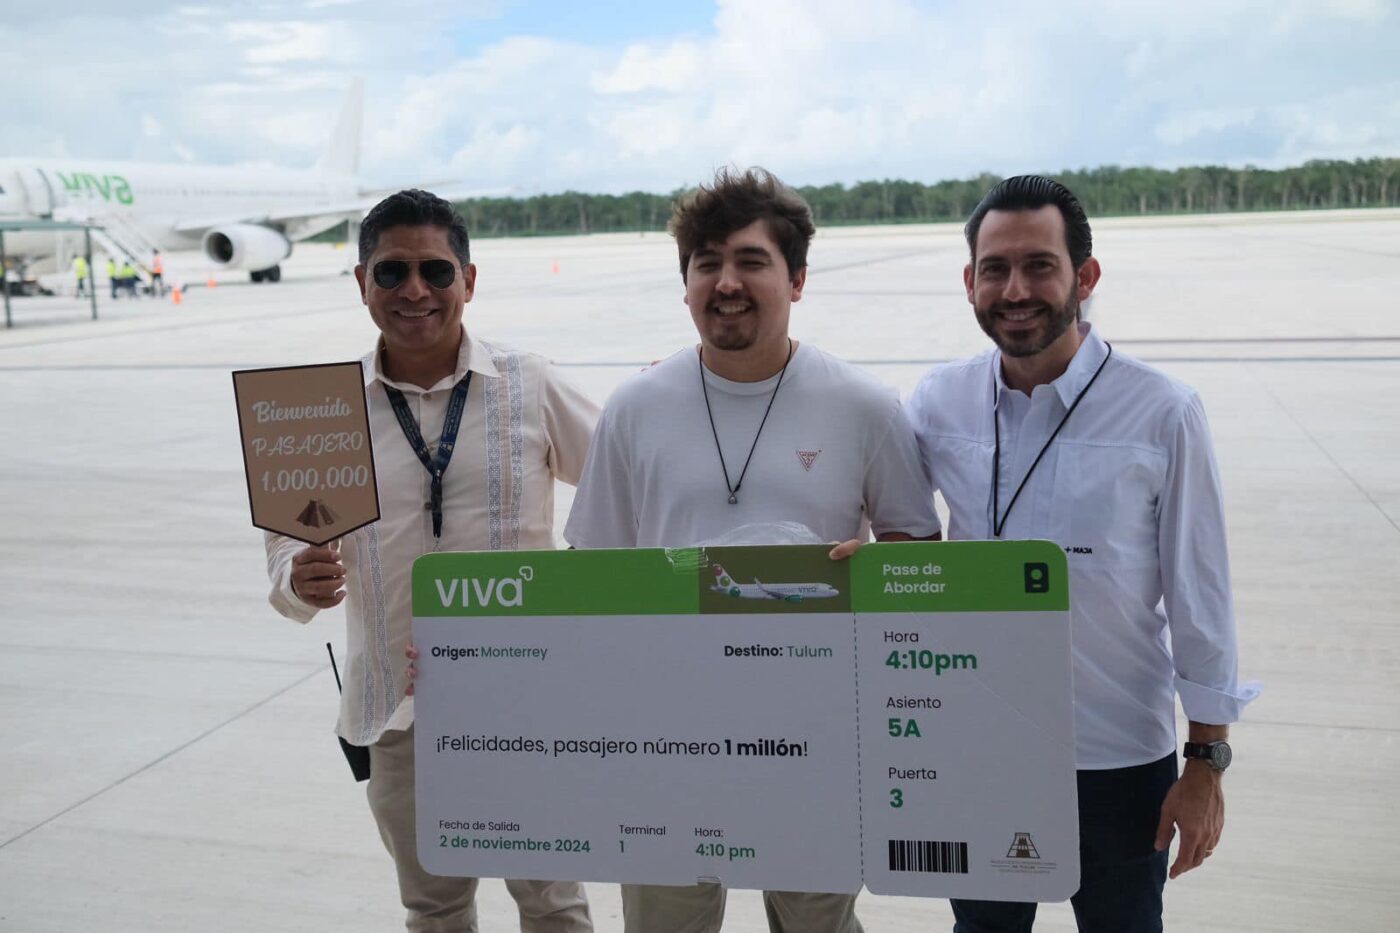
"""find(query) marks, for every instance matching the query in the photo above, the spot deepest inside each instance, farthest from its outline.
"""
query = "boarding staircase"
(116, 235)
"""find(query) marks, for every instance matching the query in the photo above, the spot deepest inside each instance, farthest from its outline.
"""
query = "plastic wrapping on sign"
(766, 533)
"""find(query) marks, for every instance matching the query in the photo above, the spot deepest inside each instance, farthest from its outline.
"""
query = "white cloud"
(1189, 125)
(494, 151)
(817, 90)
(284, 43)
(643, 68)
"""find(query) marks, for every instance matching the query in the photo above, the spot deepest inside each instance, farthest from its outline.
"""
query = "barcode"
(921, 855)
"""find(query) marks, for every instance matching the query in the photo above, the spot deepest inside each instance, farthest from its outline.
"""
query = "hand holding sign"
(318, 575)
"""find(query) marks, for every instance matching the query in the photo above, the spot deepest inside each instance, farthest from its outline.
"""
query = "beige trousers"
(699, 908)
(448, 905)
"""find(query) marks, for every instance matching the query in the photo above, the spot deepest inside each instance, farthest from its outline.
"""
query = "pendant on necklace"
(733, 499)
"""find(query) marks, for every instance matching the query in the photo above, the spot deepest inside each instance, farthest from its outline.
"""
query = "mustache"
(1027, 305)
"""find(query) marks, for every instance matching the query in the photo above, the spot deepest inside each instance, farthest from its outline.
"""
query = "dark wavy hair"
(735, 199)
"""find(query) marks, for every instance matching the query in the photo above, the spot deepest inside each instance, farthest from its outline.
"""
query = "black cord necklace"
(734, 489)
(999, 521)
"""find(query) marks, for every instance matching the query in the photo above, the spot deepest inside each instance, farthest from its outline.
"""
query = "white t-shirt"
(836, 455)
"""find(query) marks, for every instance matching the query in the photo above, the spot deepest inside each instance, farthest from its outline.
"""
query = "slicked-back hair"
(735, 199)
(1029, 193)
(414, 207)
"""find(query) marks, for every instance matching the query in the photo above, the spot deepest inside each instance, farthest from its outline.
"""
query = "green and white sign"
(760, 716)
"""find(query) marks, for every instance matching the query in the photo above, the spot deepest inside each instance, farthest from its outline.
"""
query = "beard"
(732, 340)
(736, 333)
(1055, 322)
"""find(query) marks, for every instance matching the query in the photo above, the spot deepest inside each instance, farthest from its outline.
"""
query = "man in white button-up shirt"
(1055, 435)
(519, 427)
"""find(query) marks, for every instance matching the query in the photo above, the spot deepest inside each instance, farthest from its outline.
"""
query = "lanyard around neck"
(435, 466)
(999, 520)
(734, 489)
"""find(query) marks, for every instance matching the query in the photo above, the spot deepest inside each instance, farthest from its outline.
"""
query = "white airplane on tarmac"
(788, 592)
(241, 217)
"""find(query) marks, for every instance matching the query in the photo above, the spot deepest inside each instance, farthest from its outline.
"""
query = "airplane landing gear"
(267, 275)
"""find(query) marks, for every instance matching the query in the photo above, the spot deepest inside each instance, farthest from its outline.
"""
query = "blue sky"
(534, 96)
(623, 21)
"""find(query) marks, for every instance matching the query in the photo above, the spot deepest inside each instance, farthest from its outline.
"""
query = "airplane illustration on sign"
(788, 592)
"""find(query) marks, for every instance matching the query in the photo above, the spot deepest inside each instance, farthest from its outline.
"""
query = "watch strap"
(1216, 754)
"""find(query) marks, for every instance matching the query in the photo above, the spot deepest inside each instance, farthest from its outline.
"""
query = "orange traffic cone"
(211, 283)
(555, 268)
(176, 296)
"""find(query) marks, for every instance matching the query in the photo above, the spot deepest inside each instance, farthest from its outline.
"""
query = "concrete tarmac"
(168, 761)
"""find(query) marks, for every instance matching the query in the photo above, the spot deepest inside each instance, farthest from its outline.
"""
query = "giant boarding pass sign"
(760, 716)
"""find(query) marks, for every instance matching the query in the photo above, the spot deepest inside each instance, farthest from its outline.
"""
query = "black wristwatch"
(1216, 754)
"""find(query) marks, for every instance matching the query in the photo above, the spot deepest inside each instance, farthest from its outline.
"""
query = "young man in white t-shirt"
(748, 428)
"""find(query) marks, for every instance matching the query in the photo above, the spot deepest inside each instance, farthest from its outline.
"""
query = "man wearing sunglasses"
(468, 440)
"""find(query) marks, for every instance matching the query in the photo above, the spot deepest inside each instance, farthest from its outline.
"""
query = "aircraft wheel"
(256, 276)
(273, 275)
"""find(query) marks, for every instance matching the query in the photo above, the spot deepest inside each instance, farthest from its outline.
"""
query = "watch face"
(1220, 756)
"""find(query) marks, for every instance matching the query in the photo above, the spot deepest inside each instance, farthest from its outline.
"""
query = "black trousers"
(1121, 875)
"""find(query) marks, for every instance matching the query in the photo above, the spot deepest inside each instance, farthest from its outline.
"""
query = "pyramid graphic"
(808, 457)
(317, 515)
(1022, 847)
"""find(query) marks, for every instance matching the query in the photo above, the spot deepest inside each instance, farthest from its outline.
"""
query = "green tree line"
(1106, 191)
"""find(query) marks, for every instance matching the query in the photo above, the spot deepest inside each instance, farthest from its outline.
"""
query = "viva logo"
(107, 187)
(492, 591)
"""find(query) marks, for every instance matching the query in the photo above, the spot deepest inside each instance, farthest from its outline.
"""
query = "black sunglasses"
(391, 273)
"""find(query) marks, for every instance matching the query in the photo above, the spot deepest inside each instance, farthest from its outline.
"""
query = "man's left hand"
(1195, 805)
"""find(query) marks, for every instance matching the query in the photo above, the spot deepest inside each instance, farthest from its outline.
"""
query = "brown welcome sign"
(306, 450)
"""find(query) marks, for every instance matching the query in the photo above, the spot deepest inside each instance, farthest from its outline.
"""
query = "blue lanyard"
(435, 467)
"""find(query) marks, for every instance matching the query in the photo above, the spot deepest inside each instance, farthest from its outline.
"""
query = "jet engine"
(246, 246)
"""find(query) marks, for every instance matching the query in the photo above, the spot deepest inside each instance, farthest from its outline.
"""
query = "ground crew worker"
(112, 276)
(157, 273)
(128, 276)
(80, 270)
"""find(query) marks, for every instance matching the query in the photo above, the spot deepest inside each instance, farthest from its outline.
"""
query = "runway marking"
(1328, 454)
(1320, 244)
(165, 757)
(643, 364)
(1227, 340)
(1295, 724)
(105, 651)
(859, 263)
(897, 293)
(156, 325)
